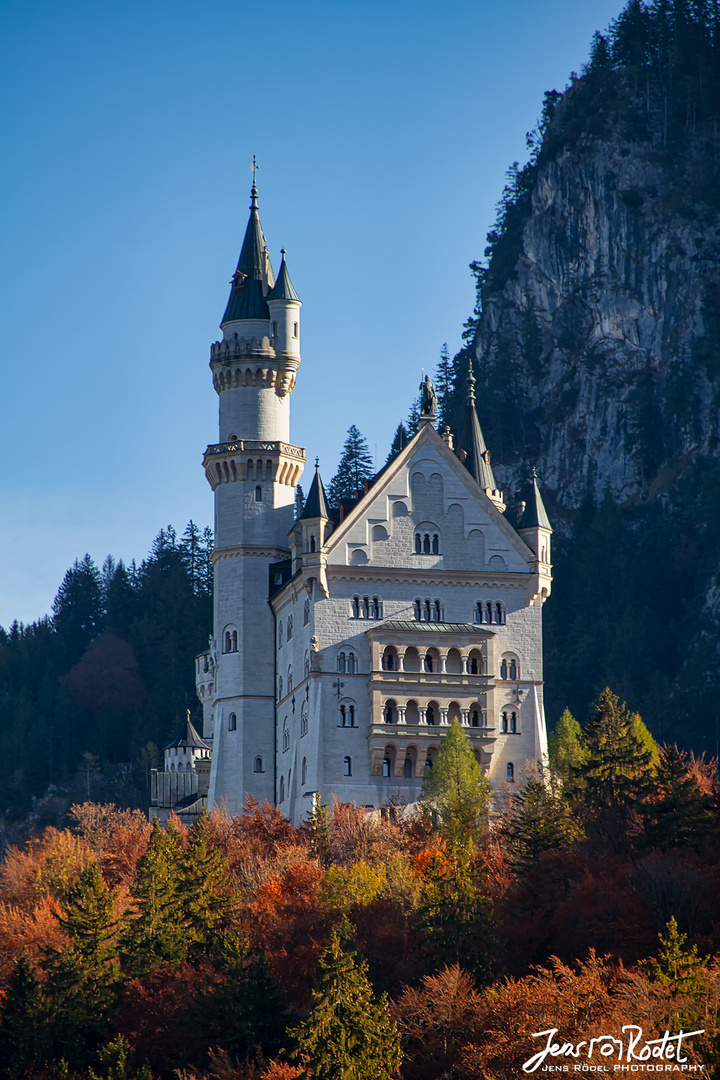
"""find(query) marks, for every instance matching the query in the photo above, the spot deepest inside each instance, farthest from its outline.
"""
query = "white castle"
(346, 641)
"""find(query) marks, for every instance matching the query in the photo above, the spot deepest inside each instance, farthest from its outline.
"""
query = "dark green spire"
(315, 504)
(283, 287)
(534, 514)
(253, 278)
(470, 440)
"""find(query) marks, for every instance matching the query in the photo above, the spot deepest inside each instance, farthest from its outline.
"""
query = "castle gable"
(427, 511)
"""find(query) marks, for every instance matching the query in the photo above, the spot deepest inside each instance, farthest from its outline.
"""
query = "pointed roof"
(189, 737)
(316, 503)
(470, 439)
(254, 276)
(283, 287)
(534, 514)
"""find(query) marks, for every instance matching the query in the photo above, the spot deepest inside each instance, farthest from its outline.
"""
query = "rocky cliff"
(597, 344)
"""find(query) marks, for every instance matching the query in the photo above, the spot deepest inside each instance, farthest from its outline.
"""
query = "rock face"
(598, 359)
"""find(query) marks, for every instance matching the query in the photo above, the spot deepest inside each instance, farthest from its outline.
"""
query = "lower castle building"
(347, 640)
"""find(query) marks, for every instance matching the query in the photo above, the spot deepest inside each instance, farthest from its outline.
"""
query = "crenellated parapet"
(253, 460)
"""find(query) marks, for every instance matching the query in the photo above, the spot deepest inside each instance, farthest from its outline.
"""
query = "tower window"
(258, 764)
(295, 329)
(306, 613)
(303, 772)
(313, 544)
(290, 627)
(504, 724)
(510, 773)
(285, 738)
(418, 544)
(282, 789)
(503, 669)
(258, 494)
(232, 722)
(274, 329)
(386, 766)
(407, 768)
(347, 767)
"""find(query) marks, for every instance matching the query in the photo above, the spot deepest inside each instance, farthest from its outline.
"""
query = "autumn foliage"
(208, 952)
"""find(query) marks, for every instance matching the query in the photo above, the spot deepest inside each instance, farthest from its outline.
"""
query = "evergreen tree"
(616, 771)
(566, 746)
(356, 465)
(538, 821)
(678, 813)
(25, 1042)
(455, 791)
(349, 1035)
(677, 969)
(78, 608)
(204, 887)
(443, 382)
(413, 421)
(400, 440)
(156, 934)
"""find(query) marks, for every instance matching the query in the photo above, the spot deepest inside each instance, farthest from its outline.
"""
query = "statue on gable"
(428, 405)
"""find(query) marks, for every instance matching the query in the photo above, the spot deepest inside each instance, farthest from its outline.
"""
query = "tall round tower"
(253, 471)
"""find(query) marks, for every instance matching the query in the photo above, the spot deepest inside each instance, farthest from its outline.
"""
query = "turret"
(284, 305)
(470, 448)
(535, 530)
(309, 534)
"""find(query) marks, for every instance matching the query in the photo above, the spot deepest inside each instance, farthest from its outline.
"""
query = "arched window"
(351, 664)
(418, 544)
(347, 767)
(376, 612)
(426, 544)
(475, 718)
(389, 712)
(303, 771)
(290, 627)
(500, 613)
(513, 723)
(488, 613)
(504, 723)
(386, 766)
(342, 717)
(280, 693)
(290, 680)
(408, 768)
(285, 737)
(356, 607)
(307, 663)
(295, 329)
(258, 494)
(510, 773)
(258, 764)
(312, 543)
(303, 722)
(428, 662)
(430, 716)
(474, 666)
(428, 765)
(234, 641)
(513, 669)
(438, 611)
(418, 611)
(366, 607)
(228, 641)
(351, 711)
(341, 663)
(280, 634)
(479, 613)
(503, 669)
(435, 544)
(282, 789)
(306, 613)
(427, 607)
(232, 722)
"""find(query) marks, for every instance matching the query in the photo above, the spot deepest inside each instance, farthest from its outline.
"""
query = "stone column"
(464, 664)
(401, 714)
(465, 717)
(443, 717)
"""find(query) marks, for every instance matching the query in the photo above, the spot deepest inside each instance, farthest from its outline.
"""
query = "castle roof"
(534, 514)
(189, 737)
(470, 440)
(253, 277)
(316, 503)
(283, 287)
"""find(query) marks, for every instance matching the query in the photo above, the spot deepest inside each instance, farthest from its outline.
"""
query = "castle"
(346, 640)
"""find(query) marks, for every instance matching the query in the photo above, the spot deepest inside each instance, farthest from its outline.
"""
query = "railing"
(255, 446)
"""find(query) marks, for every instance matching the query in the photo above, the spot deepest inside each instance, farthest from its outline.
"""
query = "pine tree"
(400, 440)
(455, 791)
(619, 754)
(78, 608)
(349, 1035)
(444, 381)
(156, 934)
(413, 421)
(204, 888)
(679, 970)
(539, 820)
(24, 1034)
(677, 813)
(356, 465)
(566, 746)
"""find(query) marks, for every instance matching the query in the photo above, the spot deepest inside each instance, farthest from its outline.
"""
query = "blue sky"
(383, 131)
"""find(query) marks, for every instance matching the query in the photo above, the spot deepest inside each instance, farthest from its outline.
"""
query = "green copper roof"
(534, 514)
(315, 504)
(283, 287)
(470, 439)
(254, 276)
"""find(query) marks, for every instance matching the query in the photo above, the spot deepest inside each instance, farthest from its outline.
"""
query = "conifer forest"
(435, 942)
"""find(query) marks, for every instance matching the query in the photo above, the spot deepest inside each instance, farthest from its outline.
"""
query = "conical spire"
(283, 287)
(189, 737)
(534, 514)
(253, 278)
(470, 440)
(316, 503)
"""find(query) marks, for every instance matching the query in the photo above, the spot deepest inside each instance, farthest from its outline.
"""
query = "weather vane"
(254, 166)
